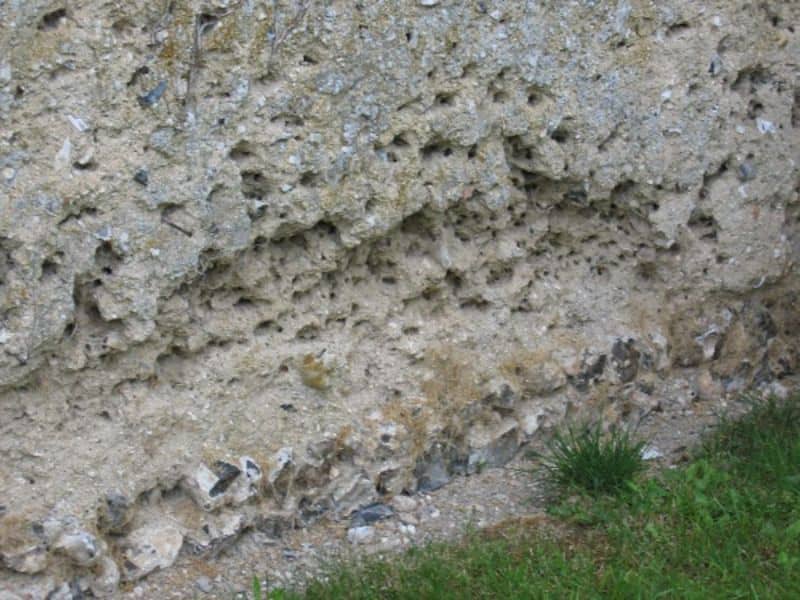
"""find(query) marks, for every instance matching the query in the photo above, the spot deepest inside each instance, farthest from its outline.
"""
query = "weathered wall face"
(261, 261)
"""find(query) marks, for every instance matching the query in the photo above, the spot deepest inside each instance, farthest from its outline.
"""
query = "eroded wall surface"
(263, 261)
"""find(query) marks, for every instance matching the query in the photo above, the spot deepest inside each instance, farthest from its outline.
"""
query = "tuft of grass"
(584, 459)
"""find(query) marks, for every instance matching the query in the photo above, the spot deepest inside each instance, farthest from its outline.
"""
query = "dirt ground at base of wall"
(480, 501)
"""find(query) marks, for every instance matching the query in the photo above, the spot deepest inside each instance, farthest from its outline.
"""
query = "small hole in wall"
(90, 165)
(409, 36)
(241, 151)
(444, 99)
(267, 327)
(308, 332)
(308, 179)
(559, 135)
(473, 151)
(50, 266)
(432, 149)
(143, 70)
(399, 140)
(52, 19)
(206, 22)
(244, 303)
(499, 97)
(259, 243)
(754, 109)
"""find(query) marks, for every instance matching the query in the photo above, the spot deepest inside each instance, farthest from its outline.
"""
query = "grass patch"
(584, 459)
(725, 526)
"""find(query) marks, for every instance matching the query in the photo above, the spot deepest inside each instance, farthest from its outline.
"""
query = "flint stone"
(114, 513)
(105, 578)
(360, 535)
(493, 447)
(217, 532)
(274, 524)
(348, 493)
(371, 514)
(81, 547)
(225, 484)
(204, 585)
(403, 503)
(153, 546)
(431, 472)
(29, 560)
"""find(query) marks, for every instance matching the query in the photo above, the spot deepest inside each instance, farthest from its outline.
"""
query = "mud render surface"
(347, 252)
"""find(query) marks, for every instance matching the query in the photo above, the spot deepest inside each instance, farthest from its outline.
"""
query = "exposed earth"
(673, 429)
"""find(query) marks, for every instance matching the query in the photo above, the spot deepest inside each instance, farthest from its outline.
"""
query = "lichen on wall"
(263, 262)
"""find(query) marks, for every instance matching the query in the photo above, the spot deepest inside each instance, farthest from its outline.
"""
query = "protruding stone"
(105, 577)
(403, 503)
(204, 584)
(282, 460)
(273, 524)
(216, 533)
(153, 546)
(80, 546)
(371, 514)
(501, 397)
(431, 471)
(492, 446)
(350, 492)
(29, 559)
(360, 535)
(142, 177)
(224, 484)
(114, 513)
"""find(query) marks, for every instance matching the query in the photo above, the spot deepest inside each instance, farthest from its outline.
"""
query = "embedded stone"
(223, 484)
(114, 513)
(105, 577)
(29, 560)
(150, 547)
(492, 446)
(217, 532)
(371, 513)
(81, 547)
(360, 535)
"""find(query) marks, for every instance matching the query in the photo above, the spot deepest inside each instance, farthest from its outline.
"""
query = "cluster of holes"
(751, 78)
(254, 184)
(704, 224)
(291, 269)
(436, 148)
